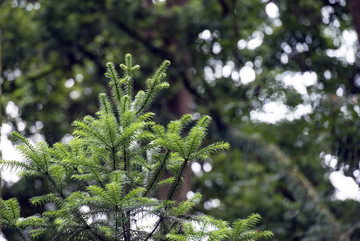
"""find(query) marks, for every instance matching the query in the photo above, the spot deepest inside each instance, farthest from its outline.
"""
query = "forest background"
(280, 78)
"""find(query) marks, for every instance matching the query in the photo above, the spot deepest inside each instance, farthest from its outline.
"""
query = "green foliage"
(105, 180)
(202, 38)
(216, 230)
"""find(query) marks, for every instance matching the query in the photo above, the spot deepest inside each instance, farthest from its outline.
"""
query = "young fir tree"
(104, 181)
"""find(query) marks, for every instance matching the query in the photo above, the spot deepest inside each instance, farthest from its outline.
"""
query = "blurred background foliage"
(280, 78)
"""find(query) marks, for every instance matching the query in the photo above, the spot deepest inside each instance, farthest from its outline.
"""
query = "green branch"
(157, 175)
(178, 180)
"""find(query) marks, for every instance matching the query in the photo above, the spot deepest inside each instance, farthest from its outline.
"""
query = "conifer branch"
(126, 220)
(169, 197)
(177, 182)
(157, 175)
(129, 69)
(153, 86)
(87, 227)
(116, 223)
(115, 82)
(61, 193)
(90, 130)
(155, 228)
(113, 158)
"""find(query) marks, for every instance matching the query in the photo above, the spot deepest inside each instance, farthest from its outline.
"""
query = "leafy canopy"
(105, 180)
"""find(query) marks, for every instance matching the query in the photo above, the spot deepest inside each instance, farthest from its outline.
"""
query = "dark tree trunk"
(354, 6)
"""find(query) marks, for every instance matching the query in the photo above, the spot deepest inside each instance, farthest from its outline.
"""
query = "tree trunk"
(354, 6)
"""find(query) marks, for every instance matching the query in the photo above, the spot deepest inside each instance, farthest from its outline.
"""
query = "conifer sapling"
(104, 181)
